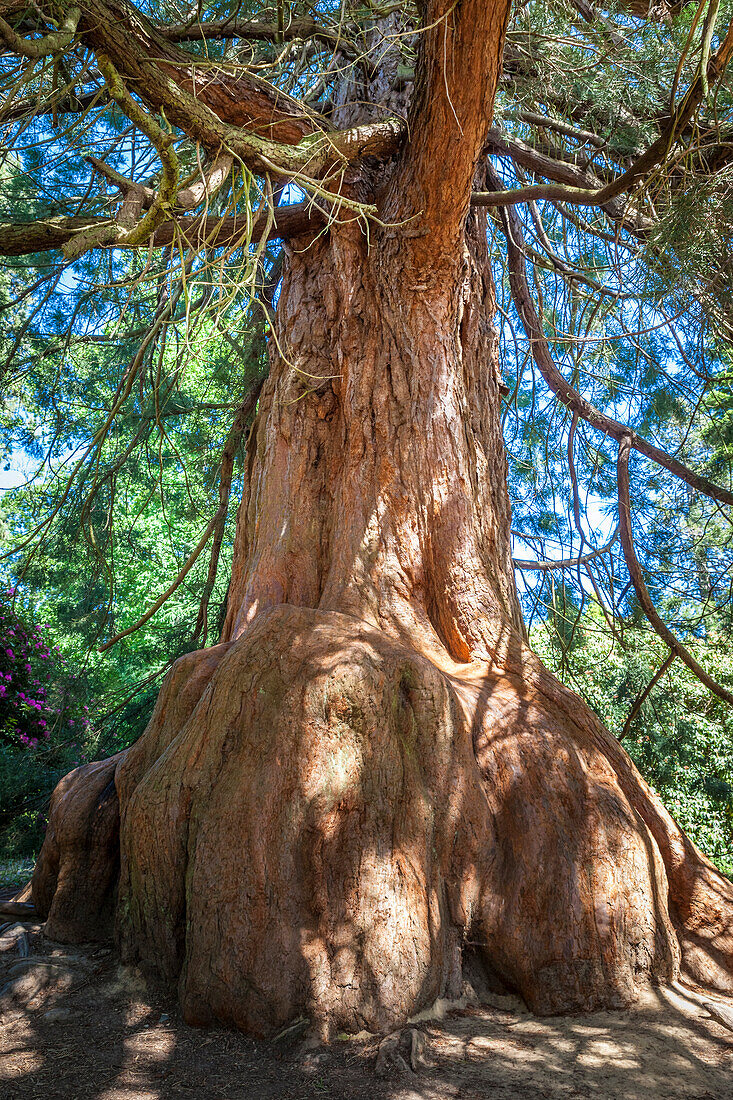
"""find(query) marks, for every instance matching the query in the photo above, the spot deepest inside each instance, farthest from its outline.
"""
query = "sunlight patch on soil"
(74, 1024)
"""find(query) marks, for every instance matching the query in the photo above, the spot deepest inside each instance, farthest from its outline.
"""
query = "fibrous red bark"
(373, 773)
(75, 879)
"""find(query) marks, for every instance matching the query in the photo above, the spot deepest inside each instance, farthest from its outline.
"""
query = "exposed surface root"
(318, 821)
(75, 879)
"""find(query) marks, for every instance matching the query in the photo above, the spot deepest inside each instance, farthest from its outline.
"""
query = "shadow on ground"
(74, 1025)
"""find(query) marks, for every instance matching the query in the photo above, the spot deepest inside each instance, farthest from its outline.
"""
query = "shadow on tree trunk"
(318, 821)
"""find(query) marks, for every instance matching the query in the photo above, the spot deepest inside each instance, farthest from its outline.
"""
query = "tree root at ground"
(321, 822)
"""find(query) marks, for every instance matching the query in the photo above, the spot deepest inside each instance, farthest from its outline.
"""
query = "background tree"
(372, 769)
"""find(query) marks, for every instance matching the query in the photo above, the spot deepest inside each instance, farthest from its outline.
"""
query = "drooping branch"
(511, 226)
(637, 577)
(645, 692)
(226, 472)
(177, 582)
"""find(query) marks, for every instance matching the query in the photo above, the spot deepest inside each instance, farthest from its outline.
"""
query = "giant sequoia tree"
(370, 773)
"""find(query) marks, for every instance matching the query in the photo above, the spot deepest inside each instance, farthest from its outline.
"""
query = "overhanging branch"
(523, 299)
(47, 234)
(637, 577)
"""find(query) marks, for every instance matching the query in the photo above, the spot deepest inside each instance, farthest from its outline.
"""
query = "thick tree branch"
(576, 182)
(159, 70)
(652, 10)
(36, 48)
(222, 106)
(253, 30)
(244, 120)
(458, 67)
(47, 234)
(188, 198)
(208, 184)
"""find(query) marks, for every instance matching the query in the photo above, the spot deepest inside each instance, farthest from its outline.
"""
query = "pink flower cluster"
(30, 705)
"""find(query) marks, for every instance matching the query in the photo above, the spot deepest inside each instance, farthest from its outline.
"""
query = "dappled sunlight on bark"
(373, 772)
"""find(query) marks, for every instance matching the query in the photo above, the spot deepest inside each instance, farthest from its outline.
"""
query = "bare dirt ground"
(74, 1025)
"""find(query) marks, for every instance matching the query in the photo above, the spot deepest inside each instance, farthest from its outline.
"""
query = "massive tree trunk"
(372, 774)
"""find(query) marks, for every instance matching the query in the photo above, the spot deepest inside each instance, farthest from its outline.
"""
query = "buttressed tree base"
(372, 774)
